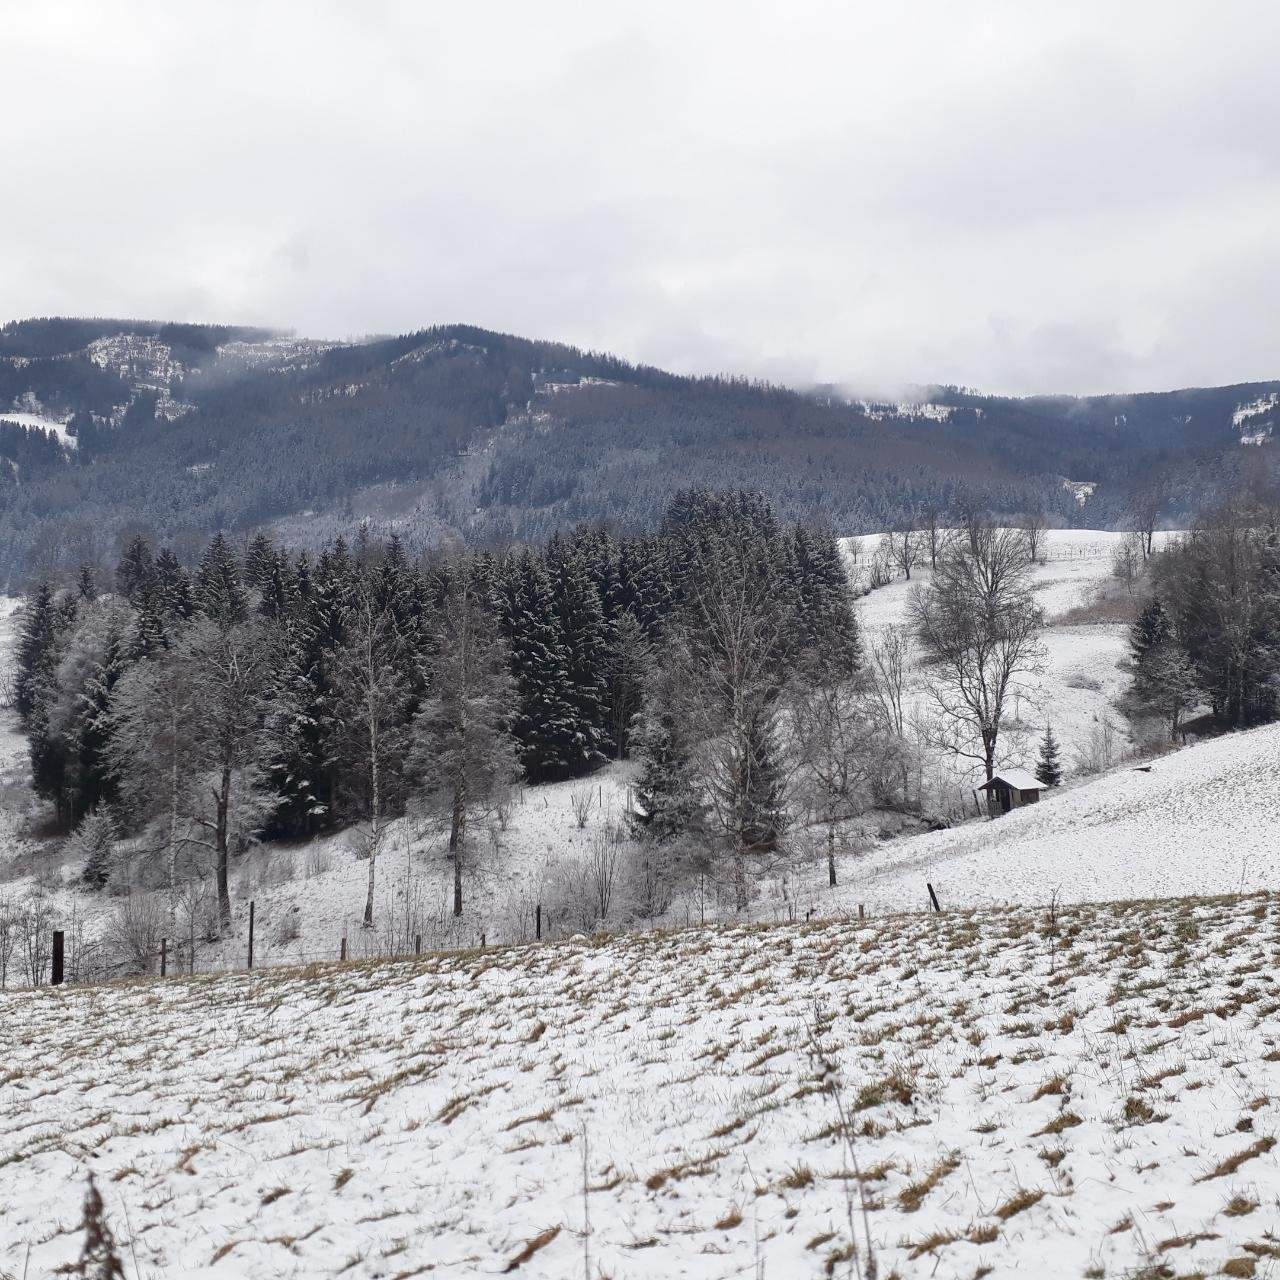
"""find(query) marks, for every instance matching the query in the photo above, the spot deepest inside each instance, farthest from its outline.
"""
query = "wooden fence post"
(417, 944)
(251, 914)
(59, 958)
(933, 897)
(342, 951)
(164, 956)
(537, 919)
(862, 911)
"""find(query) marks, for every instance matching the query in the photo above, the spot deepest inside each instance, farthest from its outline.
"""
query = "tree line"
(264, 693)
(1208, 630)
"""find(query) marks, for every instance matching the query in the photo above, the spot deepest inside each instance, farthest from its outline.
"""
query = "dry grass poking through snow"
(1094, 1096)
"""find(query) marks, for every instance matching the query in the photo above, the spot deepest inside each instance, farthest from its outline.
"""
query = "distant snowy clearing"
(1075, 563)
(54, 425)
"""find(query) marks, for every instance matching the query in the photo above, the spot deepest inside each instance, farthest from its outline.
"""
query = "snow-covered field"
(1008, 1093)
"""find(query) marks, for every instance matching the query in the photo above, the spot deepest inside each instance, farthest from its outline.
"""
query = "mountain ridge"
(455, 432)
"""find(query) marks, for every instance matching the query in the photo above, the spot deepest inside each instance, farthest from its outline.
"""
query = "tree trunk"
(375, 812)
(223, 798)
(375, 836)
(457, 839)
(831, 854)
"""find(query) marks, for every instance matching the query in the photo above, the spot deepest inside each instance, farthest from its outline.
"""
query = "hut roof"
(1018, 779)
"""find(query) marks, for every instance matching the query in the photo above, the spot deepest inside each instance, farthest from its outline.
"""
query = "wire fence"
(59, 957)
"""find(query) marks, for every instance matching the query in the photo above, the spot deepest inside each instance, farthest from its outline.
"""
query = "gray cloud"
(1021, 196)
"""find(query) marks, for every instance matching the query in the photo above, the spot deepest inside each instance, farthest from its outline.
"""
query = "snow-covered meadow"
(1087, 1092)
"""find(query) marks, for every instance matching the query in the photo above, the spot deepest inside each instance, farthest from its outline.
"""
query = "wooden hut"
(1011, 789)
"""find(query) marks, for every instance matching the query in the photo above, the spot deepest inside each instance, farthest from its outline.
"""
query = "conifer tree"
(585, 643)
(80, 715)
(302, 730)
(545, 723)
(668, 804)
(135, 574)
(259, 562)
(93, 842)
(1049, 767)
(36, 650)
(219, 590)
(174, 592)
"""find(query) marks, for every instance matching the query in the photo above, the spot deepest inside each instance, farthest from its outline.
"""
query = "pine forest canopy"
(456, 434)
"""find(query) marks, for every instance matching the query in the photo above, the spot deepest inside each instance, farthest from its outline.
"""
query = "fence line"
(172, 962)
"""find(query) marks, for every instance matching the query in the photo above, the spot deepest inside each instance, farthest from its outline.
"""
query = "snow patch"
(1255, 408)
(1081, 490)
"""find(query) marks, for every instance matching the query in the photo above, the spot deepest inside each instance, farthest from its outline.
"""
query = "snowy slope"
(1023, 1096)
(1202, 820)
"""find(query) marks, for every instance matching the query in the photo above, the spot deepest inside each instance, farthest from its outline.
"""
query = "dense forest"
(459, 435)
(280, 695)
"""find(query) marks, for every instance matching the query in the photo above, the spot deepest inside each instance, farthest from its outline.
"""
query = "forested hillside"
(116, 428)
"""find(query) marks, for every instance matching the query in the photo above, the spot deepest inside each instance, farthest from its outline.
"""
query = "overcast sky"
(1017, 196)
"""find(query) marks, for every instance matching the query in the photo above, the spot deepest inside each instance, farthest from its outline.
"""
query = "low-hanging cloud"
(1023, 196)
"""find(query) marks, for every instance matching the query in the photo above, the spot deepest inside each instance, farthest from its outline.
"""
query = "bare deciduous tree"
(1127, 559)
(1144, 514)
(979, 631)
(606, 854)
(1033, 524)
(373, 687)
(833, 747)
(134, 931)
(902, 549)
(933, 533)
(8, 936)
(465, 754)
(889, 655)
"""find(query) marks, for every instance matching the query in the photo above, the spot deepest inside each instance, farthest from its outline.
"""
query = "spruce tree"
(668, 804)
(135, 574)
(1048, 767)
(36, 650)
(93, 843)
(219, 590)
(301, 731)
(584, 640)
(545, 723)
(174, 593)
